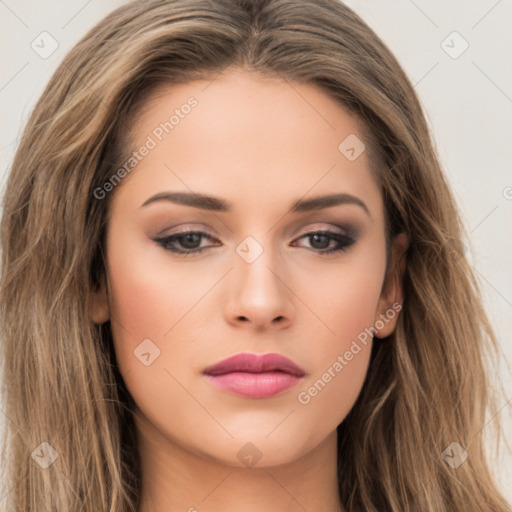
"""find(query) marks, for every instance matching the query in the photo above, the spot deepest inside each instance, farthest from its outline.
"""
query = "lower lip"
(254, 385)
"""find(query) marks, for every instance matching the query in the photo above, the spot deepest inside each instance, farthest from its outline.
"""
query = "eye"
(187, 243)
(184, 243)
(326, 241)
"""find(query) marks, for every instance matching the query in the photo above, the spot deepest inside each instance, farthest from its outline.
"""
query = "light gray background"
(467, 99)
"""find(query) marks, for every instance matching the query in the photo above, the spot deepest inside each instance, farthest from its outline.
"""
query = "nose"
(260, 296)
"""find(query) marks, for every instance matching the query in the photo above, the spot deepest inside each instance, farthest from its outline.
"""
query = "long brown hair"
(427, 385)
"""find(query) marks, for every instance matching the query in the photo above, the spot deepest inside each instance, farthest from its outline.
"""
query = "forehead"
(250, 139)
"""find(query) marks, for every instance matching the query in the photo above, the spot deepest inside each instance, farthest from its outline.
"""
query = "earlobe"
(391, 299)
(99, 308)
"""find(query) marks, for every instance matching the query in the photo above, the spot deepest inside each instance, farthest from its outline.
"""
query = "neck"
(177, 479)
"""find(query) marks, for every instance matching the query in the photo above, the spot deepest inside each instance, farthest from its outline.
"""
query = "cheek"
(344, 295)
(349, 300)
(342, 350)
(149, 300)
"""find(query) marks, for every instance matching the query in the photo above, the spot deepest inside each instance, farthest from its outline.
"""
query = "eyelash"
(344, 241)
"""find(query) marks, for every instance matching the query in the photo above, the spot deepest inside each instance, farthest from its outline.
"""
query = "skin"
(260, 144)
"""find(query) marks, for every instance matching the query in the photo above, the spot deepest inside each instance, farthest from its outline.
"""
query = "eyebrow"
(216, 204)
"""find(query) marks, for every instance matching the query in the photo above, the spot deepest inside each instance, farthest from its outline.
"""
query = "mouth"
(255, 376)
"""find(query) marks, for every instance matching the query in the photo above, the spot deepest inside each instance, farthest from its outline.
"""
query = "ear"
(99, 308)
(391, 298)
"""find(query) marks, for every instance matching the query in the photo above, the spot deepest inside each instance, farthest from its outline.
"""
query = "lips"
(253, 363)
(255, 376)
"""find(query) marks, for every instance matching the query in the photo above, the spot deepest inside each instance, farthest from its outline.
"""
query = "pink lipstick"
(255, 376)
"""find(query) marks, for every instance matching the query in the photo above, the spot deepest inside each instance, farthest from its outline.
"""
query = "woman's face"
(252, 278)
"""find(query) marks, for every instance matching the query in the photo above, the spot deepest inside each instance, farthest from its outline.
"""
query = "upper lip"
(254, 363)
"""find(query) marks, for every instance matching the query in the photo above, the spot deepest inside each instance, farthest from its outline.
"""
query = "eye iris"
(190, 240)
(322, 239)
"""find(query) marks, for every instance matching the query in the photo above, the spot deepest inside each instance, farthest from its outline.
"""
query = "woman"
(235, 268)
